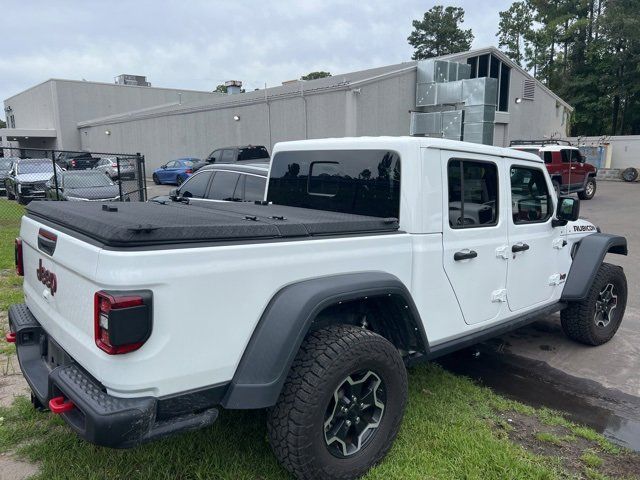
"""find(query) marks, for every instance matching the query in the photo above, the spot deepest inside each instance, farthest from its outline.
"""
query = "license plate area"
(55, 356)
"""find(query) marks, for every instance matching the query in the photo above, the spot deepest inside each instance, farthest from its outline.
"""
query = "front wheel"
(596, 319)
(341, 406)
(589, 190)
(156, 180)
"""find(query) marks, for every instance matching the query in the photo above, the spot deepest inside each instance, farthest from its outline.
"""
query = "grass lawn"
(453, 429)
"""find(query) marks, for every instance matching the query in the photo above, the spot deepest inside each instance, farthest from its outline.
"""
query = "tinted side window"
(195, 186)
(473, 193)
(214, 156)
(227, 156)
(223, 187)
(253, 153)
(363, 182)
(254, 188)
(565, 155)
(548, 157)
(530, 199)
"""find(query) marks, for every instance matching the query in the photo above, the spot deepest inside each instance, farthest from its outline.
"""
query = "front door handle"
(519, 247)
(465, 255)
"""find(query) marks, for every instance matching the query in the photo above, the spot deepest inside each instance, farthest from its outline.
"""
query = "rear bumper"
(97, 417)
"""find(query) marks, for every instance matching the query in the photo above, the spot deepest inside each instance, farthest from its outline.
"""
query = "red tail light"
(18, 257)
(122, 320)
(189, 171)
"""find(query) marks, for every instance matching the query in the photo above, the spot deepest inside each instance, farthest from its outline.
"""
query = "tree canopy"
(315, 75)
(587, 51)
(439, 33)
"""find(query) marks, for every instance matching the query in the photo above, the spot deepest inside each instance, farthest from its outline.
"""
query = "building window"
(491, 66)
(12, 121)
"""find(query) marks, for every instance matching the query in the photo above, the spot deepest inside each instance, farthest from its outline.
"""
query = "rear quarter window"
(362, 182)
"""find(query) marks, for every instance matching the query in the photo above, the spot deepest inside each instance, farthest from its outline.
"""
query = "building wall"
(383, 106)
(33, 108)
(79, 101)
(533, 119)
(377, 108)
(624, 150)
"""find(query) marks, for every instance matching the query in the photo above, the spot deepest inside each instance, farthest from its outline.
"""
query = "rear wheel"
(156, 180)
(589, 190)
(596, 319)
(341, 406)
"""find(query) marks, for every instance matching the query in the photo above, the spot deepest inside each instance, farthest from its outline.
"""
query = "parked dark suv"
(76, 160)
(247, 153)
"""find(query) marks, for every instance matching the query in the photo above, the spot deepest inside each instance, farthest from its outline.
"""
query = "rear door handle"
(465, 255)
(519, 247)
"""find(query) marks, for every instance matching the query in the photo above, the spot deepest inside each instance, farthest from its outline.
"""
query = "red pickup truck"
(566, 165)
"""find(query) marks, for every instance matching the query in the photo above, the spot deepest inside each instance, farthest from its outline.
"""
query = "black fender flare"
(285, 322)
(588, 256)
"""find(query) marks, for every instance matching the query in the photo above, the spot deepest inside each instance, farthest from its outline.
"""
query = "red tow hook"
(59, 405)
(10, 337)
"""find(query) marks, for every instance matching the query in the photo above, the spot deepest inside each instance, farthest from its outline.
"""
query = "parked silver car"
(109, 165)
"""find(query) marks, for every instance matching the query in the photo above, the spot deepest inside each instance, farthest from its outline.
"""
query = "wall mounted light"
(107, 132)
(518, 100)
(236, 118)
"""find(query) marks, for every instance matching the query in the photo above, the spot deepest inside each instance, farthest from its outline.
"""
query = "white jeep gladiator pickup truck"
(366, 255)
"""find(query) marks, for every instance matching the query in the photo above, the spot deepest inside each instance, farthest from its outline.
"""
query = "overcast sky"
(200, 44)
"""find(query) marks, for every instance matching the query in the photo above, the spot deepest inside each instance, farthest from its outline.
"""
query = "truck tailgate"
(59, 274)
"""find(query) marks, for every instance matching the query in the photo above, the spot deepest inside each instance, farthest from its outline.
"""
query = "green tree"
(515, 32)
(3, 124)
(315, 75)
(222, 88)
(439, 33)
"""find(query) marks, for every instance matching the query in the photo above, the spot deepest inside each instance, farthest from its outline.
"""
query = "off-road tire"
(156, 180)
(588, 193)
(578, 319)
(295, 425)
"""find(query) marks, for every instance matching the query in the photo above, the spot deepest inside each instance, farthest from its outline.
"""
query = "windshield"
(34, 167)
(86, 181)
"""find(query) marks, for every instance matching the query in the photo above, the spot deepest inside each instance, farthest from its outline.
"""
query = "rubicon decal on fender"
(47, 278)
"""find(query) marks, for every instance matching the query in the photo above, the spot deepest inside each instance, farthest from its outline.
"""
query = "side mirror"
(173, 194)
(163, 166)
(568, 211)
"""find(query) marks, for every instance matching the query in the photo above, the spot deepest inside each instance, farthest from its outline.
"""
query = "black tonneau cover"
(136, 224)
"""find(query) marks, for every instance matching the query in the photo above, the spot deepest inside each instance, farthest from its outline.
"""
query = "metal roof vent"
(233, 86)
(528, 89)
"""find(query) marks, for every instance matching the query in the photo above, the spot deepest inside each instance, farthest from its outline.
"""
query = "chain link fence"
(28, 174)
